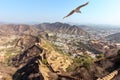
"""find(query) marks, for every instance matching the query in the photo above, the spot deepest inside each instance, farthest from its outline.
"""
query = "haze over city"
(38, 11)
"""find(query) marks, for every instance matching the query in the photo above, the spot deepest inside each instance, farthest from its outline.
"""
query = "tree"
(118, 52)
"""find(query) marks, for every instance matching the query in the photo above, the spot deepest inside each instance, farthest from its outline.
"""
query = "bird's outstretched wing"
(69, 14)
(76, 9)
(82, 5)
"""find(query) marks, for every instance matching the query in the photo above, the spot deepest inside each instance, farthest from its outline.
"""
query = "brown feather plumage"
(75, 10)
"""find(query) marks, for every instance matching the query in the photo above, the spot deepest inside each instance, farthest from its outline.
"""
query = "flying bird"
(77, 10)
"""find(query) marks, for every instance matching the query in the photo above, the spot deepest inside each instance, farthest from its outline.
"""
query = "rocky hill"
(62, 28)
(7, 29)
(36, 59)
(114, 37)
(99, 70)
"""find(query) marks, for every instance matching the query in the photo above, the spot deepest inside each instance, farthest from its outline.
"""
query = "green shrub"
(118, 52)
(44, 61)
(84, 61)
(100, 56)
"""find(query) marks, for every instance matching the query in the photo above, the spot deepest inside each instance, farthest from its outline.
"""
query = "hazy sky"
(98, 11)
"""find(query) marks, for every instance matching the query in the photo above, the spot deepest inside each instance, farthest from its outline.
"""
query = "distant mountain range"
(35, 29)
(62, 28)
(114, 37)
(7, 29)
